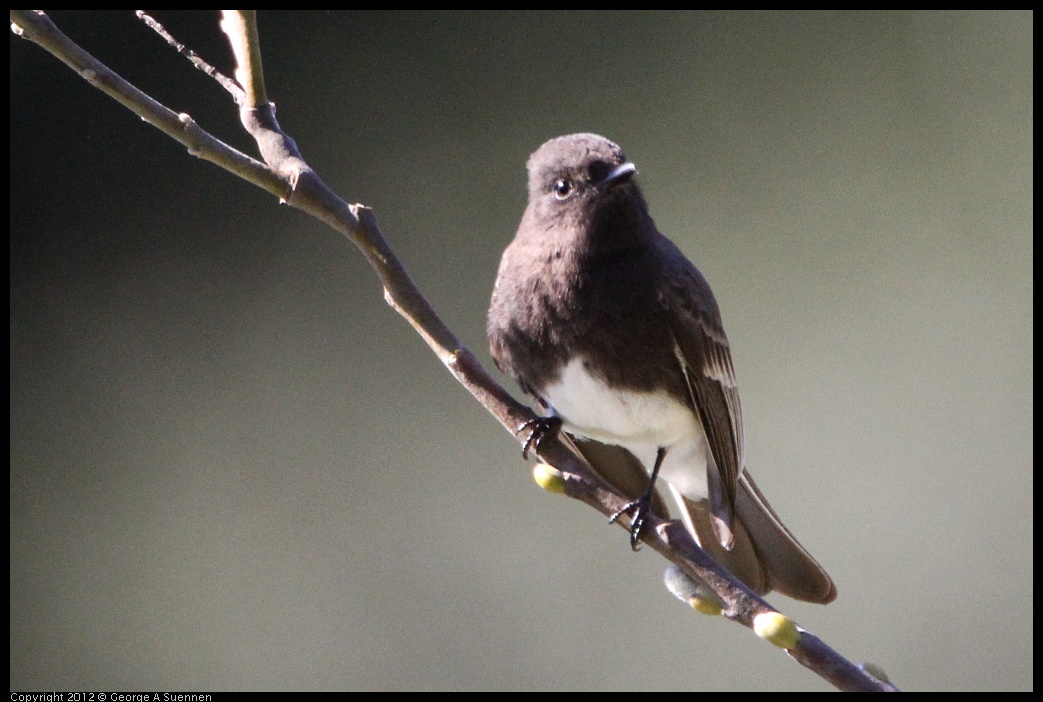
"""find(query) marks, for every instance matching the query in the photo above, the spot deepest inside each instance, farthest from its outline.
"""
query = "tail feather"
(794, 572)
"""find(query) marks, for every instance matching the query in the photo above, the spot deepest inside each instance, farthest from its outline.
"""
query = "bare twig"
(224, 81)
(285, 174)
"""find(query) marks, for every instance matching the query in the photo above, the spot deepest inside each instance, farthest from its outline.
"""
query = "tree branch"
(286, 174)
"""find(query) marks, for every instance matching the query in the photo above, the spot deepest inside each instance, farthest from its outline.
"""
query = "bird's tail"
(764, 555)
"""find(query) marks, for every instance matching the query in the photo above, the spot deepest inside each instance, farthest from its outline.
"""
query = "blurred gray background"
(234, 467)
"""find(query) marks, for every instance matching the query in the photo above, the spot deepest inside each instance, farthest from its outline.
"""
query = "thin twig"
(195, 59)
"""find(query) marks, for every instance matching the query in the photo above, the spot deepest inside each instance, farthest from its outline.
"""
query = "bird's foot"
(539, 428)
(640, 509)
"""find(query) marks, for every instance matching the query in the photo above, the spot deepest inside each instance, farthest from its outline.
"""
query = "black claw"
(539, 428)
(640, 508)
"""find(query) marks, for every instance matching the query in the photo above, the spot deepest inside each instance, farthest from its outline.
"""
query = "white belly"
(642, 422)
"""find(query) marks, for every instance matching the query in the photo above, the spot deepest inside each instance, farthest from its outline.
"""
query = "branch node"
(363, 214)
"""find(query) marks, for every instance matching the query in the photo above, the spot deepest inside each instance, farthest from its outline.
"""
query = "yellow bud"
(777, 629)
(549, 478)
(706, 605)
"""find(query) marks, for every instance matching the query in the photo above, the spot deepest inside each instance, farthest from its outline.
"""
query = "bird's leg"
(642, 506)
(539, 428)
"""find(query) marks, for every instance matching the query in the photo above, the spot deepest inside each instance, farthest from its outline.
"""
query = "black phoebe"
(616, 334)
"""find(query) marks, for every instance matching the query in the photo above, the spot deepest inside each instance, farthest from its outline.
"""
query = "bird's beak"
(619, 174)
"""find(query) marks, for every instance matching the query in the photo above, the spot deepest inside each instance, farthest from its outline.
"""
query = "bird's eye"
(562, 189)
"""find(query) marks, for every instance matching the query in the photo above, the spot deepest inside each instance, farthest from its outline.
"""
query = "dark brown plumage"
(607, 324)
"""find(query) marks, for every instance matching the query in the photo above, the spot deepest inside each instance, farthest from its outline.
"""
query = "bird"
(618, 337)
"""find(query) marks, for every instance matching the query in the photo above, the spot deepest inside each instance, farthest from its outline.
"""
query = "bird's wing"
(762, 551)
(702, 351)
